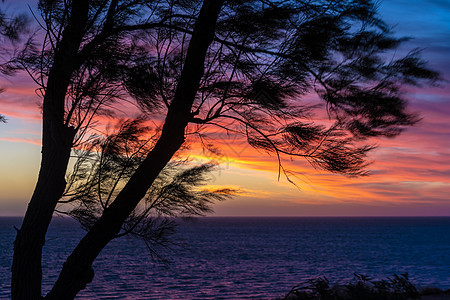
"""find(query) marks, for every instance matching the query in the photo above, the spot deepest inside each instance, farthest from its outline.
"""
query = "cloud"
(21, 140)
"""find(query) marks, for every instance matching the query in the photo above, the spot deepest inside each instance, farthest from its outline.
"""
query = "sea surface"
(250, 258)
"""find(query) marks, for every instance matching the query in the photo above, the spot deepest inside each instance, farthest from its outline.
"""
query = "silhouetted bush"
(396, 288)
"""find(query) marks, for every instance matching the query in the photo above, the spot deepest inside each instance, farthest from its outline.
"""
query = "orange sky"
(410, 174)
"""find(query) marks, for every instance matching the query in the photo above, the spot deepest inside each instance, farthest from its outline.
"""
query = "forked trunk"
(77, 270)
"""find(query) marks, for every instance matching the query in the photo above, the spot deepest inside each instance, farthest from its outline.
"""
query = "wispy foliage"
(266, 55)
(102, 169)
(255, 80)
(12, 29)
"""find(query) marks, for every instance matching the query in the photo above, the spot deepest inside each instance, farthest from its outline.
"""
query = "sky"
(410, 175)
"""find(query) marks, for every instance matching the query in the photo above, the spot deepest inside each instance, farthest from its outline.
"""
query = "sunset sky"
(410, 175)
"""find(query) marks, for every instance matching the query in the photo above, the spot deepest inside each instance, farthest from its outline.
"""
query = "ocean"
(250, 258)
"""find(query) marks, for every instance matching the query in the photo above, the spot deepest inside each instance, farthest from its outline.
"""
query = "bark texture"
(57, 139)
(77, 270)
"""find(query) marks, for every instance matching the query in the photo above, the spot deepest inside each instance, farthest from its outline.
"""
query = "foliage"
(11, 30)
(398, 287)
(107, 163)
(264, 58)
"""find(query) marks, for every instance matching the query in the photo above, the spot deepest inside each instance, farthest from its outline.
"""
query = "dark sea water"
(251, 258)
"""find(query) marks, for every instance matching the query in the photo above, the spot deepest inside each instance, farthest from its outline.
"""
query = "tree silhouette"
(242, 66)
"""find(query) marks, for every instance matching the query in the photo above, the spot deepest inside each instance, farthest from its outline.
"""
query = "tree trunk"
(57, 139)
(77, 270)
(26, 267)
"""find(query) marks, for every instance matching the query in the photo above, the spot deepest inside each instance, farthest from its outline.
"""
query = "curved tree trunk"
(77, 270)
(57, 139)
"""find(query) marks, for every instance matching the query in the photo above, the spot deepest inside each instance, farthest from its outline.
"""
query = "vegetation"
(105, 166)
(12, 29)
(239, 66)
(396, 288)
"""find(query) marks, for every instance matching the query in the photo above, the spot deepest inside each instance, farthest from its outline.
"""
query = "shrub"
(396, 288)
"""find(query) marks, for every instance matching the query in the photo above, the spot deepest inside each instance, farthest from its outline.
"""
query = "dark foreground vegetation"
(398, 287)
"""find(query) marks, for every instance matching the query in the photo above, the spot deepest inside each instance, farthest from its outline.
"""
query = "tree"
(242, 66)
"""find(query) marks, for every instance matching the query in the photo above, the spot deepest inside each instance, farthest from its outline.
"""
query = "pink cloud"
(22, 140)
